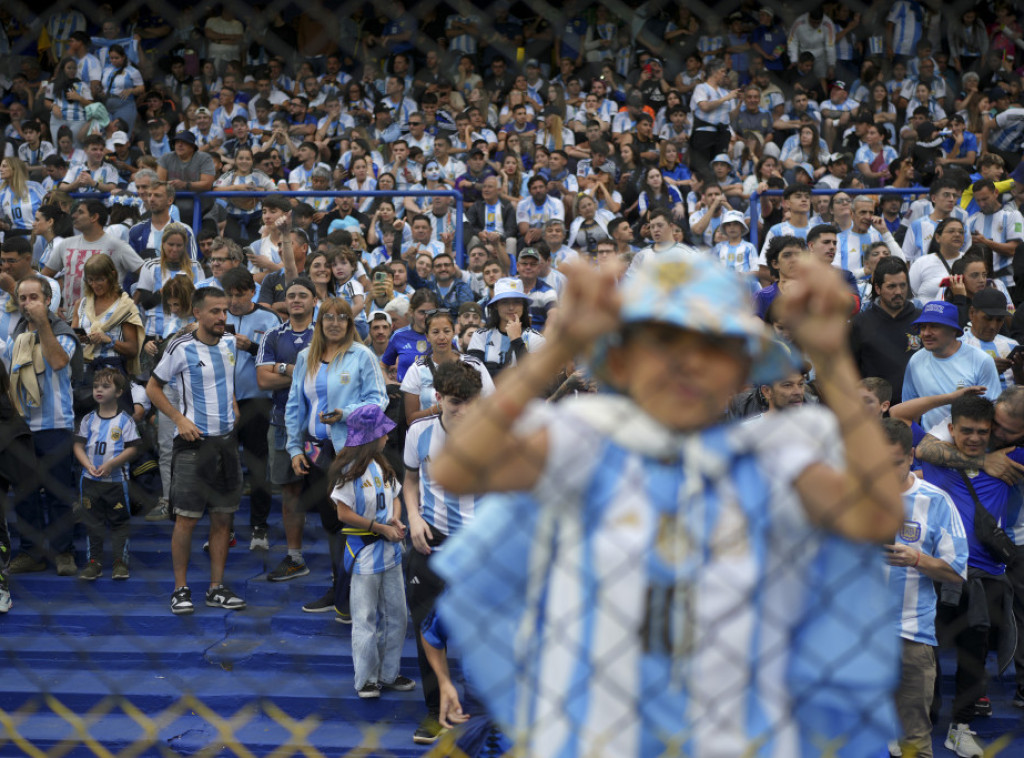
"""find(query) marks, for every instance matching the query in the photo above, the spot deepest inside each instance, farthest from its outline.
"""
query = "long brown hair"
(352, 462)
(318, 344)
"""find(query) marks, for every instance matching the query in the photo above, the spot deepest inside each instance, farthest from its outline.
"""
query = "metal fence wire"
(626, 589)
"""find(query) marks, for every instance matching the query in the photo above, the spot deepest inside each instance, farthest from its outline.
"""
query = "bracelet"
(918, 560)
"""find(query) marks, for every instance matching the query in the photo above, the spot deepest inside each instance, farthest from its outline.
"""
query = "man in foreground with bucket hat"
(945, 364)
(652, 566)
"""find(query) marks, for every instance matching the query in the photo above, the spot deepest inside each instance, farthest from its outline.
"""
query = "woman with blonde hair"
(553, 135)
(332, 377)
(19, 198)
(155, 273)
(111, 327)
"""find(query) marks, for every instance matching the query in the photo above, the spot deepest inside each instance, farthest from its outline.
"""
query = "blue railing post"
(755, 216)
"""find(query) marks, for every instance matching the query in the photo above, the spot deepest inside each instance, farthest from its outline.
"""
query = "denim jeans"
(379, 619)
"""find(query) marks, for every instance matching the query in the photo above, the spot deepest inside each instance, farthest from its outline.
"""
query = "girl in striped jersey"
(366, 496)
(66, 98)
(173, 262)
(19, 198)
(661, 584)
(508, 336)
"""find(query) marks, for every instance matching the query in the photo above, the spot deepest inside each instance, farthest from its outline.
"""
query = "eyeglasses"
(219, 260)
(842, 201)
(415, 123)
(333, 318)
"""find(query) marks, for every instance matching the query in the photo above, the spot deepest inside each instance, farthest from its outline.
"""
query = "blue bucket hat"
(940, 312)
(366, 424)
(686, 289)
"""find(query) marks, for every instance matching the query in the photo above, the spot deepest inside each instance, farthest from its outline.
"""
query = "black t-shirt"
(272, 288)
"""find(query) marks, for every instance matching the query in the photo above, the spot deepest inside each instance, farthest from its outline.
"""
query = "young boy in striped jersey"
(106, 442)
(930, 547)
(434, 513)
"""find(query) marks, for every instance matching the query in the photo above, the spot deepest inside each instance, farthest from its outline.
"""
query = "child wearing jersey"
(734, 251)
(366, 495)
(106, 442)
(349, 288)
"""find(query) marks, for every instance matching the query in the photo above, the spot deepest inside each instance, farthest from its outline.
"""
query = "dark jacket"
(882, 345)
(477, 220)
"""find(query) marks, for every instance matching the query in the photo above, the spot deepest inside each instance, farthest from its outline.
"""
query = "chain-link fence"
(720, 593)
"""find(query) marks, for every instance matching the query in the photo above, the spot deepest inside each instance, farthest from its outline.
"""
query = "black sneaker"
(428, 731)
(181, 601)
(370, 689)
(259, 539)
(287, 569)
(342, 617)
(1018, 698)
(983, 707)
(401, 684)
(322, 604)
(222, 597)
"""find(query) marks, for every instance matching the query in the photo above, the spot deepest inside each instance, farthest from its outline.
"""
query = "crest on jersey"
(345, 377)
(115, 435)
(910, 531)
(421, 346)
(913, 342)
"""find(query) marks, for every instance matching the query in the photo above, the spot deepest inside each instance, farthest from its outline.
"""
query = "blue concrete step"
(189, 734)
(224, 691)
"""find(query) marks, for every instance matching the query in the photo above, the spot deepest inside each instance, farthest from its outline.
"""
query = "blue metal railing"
(755, 200)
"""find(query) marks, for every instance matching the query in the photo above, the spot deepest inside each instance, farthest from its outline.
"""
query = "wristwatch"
(282, 369)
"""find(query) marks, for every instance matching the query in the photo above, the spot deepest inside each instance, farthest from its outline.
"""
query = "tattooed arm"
(996, 463)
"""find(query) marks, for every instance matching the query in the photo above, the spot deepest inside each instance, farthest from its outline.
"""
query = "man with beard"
(882, 334)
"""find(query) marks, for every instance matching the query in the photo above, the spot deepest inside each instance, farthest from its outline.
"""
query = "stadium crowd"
(322, 342)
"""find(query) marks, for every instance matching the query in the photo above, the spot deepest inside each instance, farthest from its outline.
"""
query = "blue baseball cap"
(940, 312)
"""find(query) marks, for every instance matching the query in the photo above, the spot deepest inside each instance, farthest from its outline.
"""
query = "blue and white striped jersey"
(54, 410)
(370, 496)
(105, 439)
(493, 347)
(537, 215)
(906, 17)
(73, 110)
(669, 589)
(255, 325)
(1009, 131)
(443, 511)
(116, 81)
(1000, 347)
(105, 174)
(742, 257)
(782, 229)
(934, 527)
(1005, 225)
(35, 157)
(419, 379)
(851, 246)
(22, 210)
(89, 68)
(205, 376)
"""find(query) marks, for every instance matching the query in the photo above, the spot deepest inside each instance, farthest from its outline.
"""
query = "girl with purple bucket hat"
(366, 495)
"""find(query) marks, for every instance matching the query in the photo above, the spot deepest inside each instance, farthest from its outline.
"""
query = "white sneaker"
(895, 751)
(961, 740)
(5, 598)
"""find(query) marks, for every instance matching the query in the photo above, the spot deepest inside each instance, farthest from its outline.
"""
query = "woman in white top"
(362, 181)
(418, 385)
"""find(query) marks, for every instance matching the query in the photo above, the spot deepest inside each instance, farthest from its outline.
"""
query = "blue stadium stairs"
(105, 664)
(89, 667)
